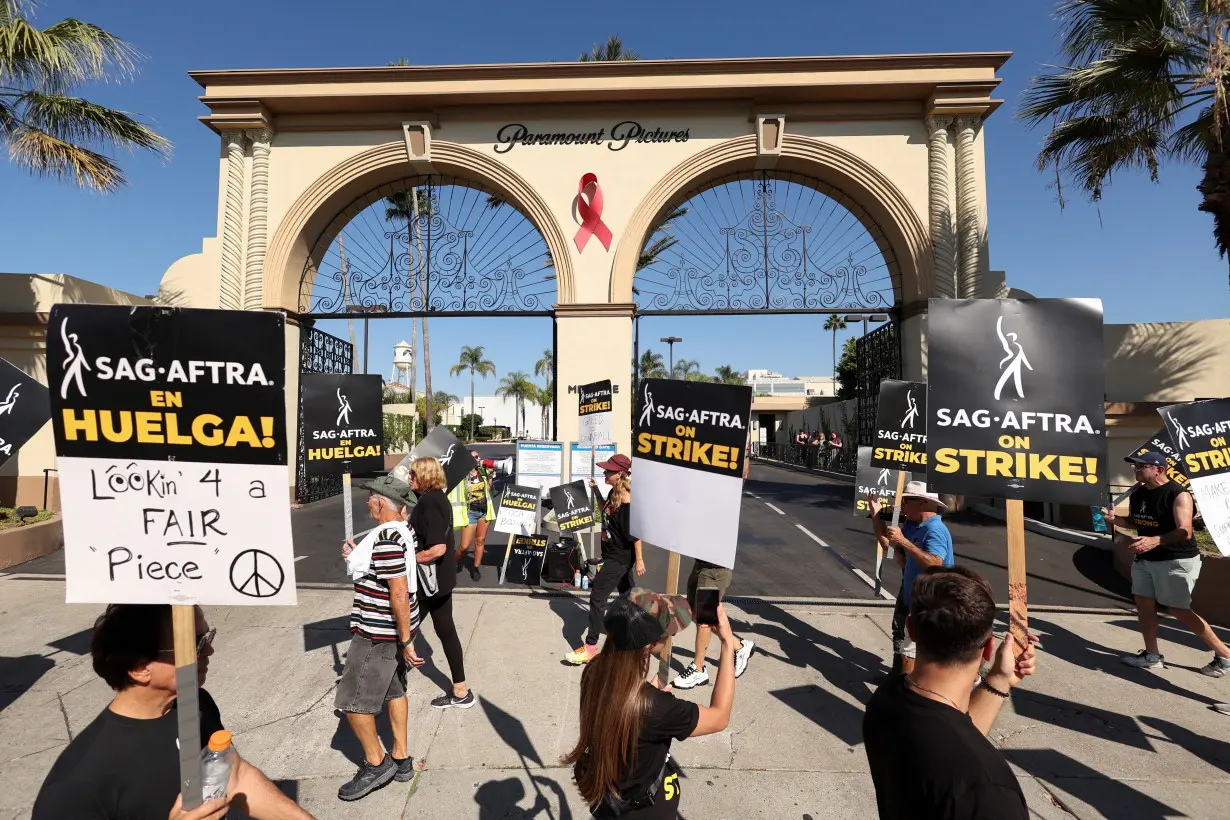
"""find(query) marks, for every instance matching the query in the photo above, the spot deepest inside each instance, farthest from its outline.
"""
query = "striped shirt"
(372, 615)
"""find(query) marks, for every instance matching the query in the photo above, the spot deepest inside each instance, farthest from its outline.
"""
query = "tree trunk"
(1214, 187)
(472, 404)
(430, 422)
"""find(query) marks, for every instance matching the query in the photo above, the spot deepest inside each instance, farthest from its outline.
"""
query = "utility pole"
(670, 343)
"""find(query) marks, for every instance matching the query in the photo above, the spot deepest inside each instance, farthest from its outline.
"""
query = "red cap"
(619, 463)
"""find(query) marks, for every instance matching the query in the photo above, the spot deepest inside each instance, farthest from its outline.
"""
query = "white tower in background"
(403, 360)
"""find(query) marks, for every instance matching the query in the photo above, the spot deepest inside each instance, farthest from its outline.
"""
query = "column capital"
(970, 121)
(262, 135)
(939, 122)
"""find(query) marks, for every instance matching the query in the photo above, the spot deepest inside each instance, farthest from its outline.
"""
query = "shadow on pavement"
(501, 798)
(345, 742)
(1078, 717)
(573, 615)
(1110, 798)
(18, 674)
(290, 788)
(1174, 632)
(836, 716)
(1210, 750)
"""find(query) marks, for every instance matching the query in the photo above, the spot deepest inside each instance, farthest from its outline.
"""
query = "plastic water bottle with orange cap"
(216, 761)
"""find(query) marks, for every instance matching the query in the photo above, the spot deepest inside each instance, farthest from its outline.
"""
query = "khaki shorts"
(704, 576)
(1170, 583)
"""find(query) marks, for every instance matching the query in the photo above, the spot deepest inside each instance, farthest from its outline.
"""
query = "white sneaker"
(691, 678)
(1144, 660)
(741, 656)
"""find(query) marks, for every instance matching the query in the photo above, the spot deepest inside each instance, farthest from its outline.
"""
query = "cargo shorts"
(375, 673)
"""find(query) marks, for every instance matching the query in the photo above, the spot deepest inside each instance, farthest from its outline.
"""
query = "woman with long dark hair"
(621, 763)
(432, 522)
(621, 553)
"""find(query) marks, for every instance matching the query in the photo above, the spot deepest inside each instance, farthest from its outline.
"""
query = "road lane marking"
(753, 495)
(812, 535)
(774, 509)
(299, 558)
(846, 563)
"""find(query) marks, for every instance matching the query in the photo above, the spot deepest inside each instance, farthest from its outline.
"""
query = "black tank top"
(1152, 513)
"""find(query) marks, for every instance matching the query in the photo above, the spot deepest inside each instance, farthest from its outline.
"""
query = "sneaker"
(581, 656)
(691, 678)
(451, 701)
(405, 770)
(475, 574)
(741, 656)
(1144, 660)
(1224, 708)
(367, 779)
(1216, 667)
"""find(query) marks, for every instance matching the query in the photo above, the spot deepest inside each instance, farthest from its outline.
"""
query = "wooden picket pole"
(1018, 614)
(347, 504)
(672, 588)
(507, 553)
(881, 552)
(187, 707)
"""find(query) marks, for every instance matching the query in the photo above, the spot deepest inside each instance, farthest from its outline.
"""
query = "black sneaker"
(475, 574)
(405, 769)
(449, 701)
(367, 779)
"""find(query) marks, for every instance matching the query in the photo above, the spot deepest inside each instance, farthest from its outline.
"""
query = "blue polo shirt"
(929, 536)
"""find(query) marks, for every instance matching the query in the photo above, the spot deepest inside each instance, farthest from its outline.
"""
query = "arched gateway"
(819, 184)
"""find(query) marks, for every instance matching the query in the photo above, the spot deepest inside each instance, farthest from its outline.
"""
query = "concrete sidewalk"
(1088, 737)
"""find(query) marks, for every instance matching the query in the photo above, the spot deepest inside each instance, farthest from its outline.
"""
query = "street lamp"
(875, 317)
(670, 342)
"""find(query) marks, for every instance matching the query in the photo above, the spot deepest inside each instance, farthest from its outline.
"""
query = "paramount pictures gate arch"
(896, 141)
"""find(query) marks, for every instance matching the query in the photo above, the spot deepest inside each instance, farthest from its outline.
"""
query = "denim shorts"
(375, 673)
(475, 516)
(1170, 583)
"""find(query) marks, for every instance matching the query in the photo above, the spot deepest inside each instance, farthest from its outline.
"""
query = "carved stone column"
(230, 295)
(940, 207)
(258, 221)
(969, 219)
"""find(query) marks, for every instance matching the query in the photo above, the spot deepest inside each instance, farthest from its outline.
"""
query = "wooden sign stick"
(672, 588)
(507, 553)
(187, 707)
(881, 551)
(1018, 615)
(347, 505)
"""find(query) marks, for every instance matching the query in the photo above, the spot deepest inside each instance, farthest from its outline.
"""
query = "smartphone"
(707, 600)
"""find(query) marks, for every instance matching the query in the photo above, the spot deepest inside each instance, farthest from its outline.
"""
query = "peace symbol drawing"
(257, 574)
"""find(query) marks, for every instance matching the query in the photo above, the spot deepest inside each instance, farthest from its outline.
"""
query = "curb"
(1050, 530)
(785, 465)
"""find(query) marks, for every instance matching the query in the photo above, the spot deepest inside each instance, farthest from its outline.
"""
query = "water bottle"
(585, 581)
(576, 578)
(216, 760)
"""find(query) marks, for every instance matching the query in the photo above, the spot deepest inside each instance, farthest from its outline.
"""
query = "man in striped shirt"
(383, 623)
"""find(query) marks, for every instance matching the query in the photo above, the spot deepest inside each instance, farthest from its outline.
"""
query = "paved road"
(798, 537)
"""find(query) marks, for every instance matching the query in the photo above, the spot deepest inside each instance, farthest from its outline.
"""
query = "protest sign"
(342, 423)
(878, 482)
(523, 561)
(171, 435)
(594, 414)
(573, 510)
(687, 466)
(1160, 443)
(901, 426)
(540, 464)
(1201, 432)
(518, 513)
(1015, 399)
(445, 448)
(583, 459)
(24, 409)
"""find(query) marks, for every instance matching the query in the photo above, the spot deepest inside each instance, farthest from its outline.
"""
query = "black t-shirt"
(432, 522)
(929, 760)
(1152, 513)
(120, 768)
(616, 535)
(667, 718)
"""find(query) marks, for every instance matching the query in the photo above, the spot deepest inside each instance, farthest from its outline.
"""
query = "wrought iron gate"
(319, 352)
(879, 357)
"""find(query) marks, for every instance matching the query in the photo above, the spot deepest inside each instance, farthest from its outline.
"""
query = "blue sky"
(1145, 249)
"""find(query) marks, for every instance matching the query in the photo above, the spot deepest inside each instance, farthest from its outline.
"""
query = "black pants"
(440, 609)
(901, 641)
(613, 576)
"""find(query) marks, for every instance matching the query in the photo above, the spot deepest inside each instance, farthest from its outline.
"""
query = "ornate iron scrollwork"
(319, 352)
(765, 242)
(878, 355)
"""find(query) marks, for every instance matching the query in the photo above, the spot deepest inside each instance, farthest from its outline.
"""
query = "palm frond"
(62, 55)
(611, 51)
(75, 120)
(1191, 142)
(46, 155)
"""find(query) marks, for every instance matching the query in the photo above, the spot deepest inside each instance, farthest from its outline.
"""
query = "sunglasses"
(203, 642)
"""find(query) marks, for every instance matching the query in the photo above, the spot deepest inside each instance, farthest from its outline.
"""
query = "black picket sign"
(1161, 444)
(1200, 430)
(24, 409)
(901, 426)
(696, 425)
(446, 448)
(573, 510)
(343, 423)
(878, 482)
(524, 564)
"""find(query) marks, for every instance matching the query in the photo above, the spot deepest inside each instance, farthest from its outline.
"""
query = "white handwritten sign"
(1213, 498)
(176, 532)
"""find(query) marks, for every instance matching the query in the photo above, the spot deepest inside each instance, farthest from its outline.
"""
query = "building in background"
(772, 383)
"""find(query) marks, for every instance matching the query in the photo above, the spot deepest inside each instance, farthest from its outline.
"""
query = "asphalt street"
(798, 538)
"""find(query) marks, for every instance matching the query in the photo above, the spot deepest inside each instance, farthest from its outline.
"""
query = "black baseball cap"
(1151, 459)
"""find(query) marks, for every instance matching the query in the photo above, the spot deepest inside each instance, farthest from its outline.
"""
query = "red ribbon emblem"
(589, 206)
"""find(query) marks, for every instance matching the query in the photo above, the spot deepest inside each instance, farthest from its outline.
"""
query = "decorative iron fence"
(319, 352)
(878, 355)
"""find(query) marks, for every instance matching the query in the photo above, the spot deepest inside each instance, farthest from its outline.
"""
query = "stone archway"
(311, 224)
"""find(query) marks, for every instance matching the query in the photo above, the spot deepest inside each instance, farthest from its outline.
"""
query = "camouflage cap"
(390, 485)
(640, 618)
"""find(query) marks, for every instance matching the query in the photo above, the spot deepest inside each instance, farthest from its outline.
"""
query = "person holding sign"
(925, 732)
(621, 553)
(125, 764)
(479, 514)
(621, 762)
(922, 541)
(1166, 563)
(432, 522)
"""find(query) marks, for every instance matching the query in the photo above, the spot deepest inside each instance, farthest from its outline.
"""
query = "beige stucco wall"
(1167, 361)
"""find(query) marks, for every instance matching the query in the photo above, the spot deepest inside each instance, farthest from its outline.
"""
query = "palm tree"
(406, 206)
(652, 366)
(48, 131)
(545, 367)
(1141, 82)
(684, 368)
(439, 405)
(472, 360)
(725, 374)
(545, 398)
(834, 323)
(612, 51)
(517, 386)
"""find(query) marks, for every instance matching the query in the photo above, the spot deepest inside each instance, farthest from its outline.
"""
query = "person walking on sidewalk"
(431, 521)
(480, 512)
(383, 623)
(922, 541)
(1166, 563)
(705, 574)
(925, 732)
(621, 762)
(125, 764)
(621, 553)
